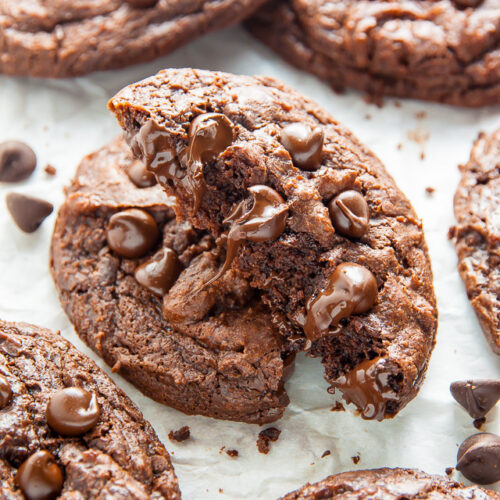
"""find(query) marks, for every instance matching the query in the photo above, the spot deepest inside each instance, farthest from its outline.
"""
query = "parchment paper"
(64, 120)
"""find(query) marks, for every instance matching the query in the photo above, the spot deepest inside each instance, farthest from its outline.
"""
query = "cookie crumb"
(449, 471)
(232, 453)
(422, 155)
(180, 435)
(221, 490)
(356, 459)
(50, 169)
(338, 407)
(478, 422)
(368, 116)
(430, 190)
(265, 437)
(326, 453)
(399, 146)
(420, 115)
(397, 104)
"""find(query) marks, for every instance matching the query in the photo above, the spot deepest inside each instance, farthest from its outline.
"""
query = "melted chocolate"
(209, 135)
(140, 175)
(351, 289)
(478, 397)
(304, 144)
(5, 392)
(131, 233)
(72, 411)
(39, 477)
(367, 386)
(159, 273)
(264, 221)
(349, 214)
(478, 458)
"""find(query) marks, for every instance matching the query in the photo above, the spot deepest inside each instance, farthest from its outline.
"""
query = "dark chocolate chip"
(478, 458)
(140, 175)
(159, 273)
(142, 4)
(132, 233)
(27, 212)
(5, 392)
(349, 214)
(39, 477)
(72, 411)
(17, 161)
(351, 289)
(304, 144)
(478, 397)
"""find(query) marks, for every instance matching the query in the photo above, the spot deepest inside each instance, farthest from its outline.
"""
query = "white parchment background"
(64, 120)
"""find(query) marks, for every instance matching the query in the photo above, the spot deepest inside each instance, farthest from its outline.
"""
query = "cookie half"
(446, 50)
(218, 355)
(66, 429)
(477, 233)
(389, 484)
(302, 211)
(58, 39)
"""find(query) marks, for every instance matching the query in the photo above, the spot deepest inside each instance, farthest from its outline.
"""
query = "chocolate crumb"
(449, 471)
(430, 190)
(397, 104)
(265, 437)
(180, 435)
(479, 422)
(420, 115)
(232, 453)
(326, 453)
(356, 459)
(221, 490)
(368, 116)
(50, 169)
(338, 407)
(422, 155)
(399, 146)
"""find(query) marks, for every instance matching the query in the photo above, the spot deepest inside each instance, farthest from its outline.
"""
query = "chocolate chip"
(72, 411)
(159, 273)
(349, 214)
(142, 4)
(351, 289)
(140, 175)
(304, 144)
(132, 233)
(27, 212)
(39, 477)
(478, 397)
(5, 392)
(17, 161)
(478, 458)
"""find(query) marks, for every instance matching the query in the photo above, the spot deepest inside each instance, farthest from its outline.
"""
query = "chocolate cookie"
(439, 50)
(65, 39)
(389, 484)
(67, 431)
(305, 213)
(477, 233)
(119, 259)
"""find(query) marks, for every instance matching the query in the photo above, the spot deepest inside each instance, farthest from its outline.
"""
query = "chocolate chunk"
(27, 212)
(349, 214)
(159, 273)
(265, 438)
(180, 435)
(367, 386)
(304, 144)
(142, 4)
(140, 175)
(478, 458)
(351, 289)
(265, 220)
(209, 135)
(17, 161)
(72, 411)
(478, 397)
(132, 233)
(5, 392)
(39, 477)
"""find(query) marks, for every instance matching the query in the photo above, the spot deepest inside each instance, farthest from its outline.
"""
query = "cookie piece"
(477, 233)
(440, 50)
(218, 355)
(364, 299)
(114, 452)
(388, 484)
(58, 39)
